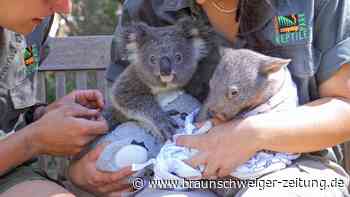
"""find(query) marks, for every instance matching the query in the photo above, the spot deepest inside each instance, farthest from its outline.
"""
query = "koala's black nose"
(165, 66)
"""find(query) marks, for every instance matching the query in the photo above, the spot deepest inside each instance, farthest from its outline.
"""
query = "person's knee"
(37, 188)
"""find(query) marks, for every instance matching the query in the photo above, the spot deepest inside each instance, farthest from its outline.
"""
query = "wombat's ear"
(272, 65)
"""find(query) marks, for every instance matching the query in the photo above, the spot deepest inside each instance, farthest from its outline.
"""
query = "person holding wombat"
(319, 67)
(28, 127)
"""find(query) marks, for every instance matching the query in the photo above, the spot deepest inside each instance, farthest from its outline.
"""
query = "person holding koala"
(315, 36)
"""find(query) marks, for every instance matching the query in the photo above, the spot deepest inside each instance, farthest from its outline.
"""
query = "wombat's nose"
(165, 66)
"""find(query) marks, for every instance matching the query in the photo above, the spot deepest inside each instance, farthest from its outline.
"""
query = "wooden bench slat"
(101, 83)
(63, 164)
(68, 67)
(41, 94)
(60, 84)
(77, 53)
(81, 80)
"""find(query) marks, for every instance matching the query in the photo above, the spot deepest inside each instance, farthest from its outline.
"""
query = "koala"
(162, 59)
(242, 80)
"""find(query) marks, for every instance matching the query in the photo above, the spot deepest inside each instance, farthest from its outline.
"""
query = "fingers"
(93, 98)
(76, 110)
(124, 172)
(217, 121)
(95, 153)
(197, 160)
(224, 172)
(200, 1)
(211, 170)
(103, 178)
(199, 124)
(115, 186)
(190, 141)
(93, 127)
(110, 182)
(119, 193)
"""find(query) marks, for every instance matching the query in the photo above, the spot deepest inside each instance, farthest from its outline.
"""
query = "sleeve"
(332, 37)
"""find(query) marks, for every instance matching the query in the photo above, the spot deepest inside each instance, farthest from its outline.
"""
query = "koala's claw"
(167, 127)
(172, 112)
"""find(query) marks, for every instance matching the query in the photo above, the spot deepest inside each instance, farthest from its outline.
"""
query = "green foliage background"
(92, 17)
(88, 17)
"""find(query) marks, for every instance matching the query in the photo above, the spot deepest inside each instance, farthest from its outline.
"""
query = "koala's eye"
(232, 92)
(152, 59)
(178, 58)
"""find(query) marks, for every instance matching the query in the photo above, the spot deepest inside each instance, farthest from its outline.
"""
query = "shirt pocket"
(24, 91)
(9, 116)
(270, 39)
(24, 94)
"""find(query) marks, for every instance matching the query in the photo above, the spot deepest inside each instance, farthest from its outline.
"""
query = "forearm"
(16, 149)
(315, 126)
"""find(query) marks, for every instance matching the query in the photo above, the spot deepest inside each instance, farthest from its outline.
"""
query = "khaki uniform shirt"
(19, 63)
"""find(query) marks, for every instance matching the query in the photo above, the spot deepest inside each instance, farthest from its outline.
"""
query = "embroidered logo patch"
(287, 23)
(31, 59)
(290, 28)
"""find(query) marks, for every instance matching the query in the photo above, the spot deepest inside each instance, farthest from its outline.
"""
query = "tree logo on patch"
(287, 23)
(31, 59)
(291, 28)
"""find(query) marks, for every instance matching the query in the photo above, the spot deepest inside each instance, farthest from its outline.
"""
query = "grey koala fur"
(242, 80)
(161, 59)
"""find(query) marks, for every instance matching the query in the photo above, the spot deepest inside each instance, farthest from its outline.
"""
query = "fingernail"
(93, 111)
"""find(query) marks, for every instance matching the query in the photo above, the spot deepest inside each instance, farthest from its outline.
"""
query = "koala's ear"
(273, 65)
(136, 32)
(188, 27)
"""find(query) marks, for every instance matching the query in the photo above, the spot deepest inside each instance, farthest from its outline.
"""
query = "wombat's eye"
(152, 59)
(178, 58)
(232, 92)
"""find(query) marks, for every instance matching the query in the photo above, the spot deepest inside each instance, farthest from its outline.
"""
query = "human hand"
(66, 130)
(83, 173)
(214, 121)
(223, 148)
(91, 99)
(200, 1)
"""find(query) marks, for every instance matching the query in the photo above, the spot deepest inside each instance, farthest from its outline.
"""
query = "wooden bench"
(78, 61)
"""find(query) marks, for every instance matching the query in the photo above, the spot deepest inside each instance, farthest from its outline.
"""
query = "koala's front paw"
(167, 127)
(203, 115)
